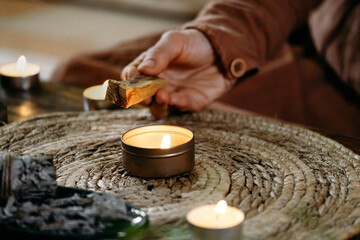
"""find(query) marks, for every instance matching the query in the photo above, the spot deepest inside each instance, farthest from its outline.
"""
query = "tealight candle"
(20, 75)
(94, 98)
(215, 222)
(158, 151)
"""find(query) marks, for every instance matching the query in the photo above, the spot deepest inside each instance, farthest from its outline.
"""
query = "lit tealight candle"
(215, 221)
(20, 75)
(94, 98)
(158, 151)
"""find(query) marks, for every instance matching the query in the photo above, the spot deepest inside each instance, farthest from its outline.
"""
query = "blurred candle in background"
(20, 75)
(94, 98)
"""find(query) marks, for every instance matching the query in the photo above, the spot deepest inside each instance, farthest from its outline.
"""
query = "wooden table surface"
(56, 97)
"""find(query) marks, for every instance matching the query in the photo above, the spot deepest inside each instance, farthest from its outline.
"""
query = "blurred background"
(50, 31)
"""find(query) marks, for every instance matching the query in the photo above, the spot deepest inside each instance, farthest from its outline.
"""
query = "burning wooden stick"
(134, 90)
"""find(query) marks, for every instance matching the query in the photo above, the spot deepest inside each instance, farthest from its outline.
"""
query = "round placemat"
(291, 183)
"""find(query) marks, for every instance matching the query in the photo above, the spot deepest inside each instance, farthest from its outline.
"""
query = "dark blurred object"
(33, 204)
(51, 97)
(300, 89)
(94, 68)
(3, 113)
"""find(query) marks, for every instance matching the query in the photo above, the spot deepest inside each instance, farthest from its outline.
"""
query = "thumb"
(158, 57)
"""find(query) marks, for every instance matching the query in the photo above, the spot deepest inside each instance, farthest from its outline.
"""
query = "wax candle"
(158, 151)
(215, 221)
(20, 75)
(94, 98)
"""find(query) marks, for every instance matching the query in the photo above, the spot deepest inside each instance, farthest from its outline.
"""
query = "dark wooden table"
(56, 97)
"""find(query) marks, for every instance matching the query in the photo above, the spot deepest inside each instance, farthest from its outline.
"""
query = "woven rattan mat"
(292, 183)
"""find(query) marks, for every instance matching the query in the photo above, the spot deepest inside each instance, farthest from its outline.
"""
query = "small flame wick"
(166, 141)
(220, 208)
(21, 63)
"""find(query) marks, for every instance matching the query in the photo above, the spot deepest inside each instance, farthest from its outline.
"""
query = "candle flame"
(165, 143)
(105, 85)
(21, 63)
(221, 207)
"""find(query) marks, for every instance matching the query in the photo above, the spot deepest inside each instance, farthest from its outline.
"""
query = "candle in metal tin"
(94, 98)
(20, 75)
(210, 222)
(158, 151)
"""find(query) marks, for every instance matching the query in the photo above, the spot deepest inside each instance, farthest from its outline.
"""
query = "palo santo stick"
(134, 90)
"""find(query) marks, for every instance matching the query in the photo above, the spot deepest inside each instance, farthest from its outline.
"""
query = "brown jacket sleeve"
(249, 31)
(335, 30)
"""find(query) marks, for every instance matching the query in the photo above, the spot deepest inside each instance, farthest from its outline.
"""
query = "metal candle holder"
(206, 224)
(24, 83)
(231, 233)
(96, 104)
(156, 162)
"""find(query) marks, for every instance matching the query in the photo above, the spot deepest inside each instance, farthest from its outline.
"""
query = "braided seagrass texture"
(291, 183)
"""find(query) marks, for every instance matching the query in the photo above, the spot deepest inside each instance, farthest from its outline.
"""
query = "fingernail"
(147, 64)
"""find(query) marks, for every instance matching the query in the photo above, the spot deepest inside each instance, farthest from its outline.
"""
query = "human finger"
(188, 100)
(146, 101)
(159, 111)
(158, 57)
(131, 69)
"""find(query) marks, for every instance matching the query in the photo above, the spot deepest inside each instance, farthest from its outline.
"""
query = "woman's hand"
(186, 60)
